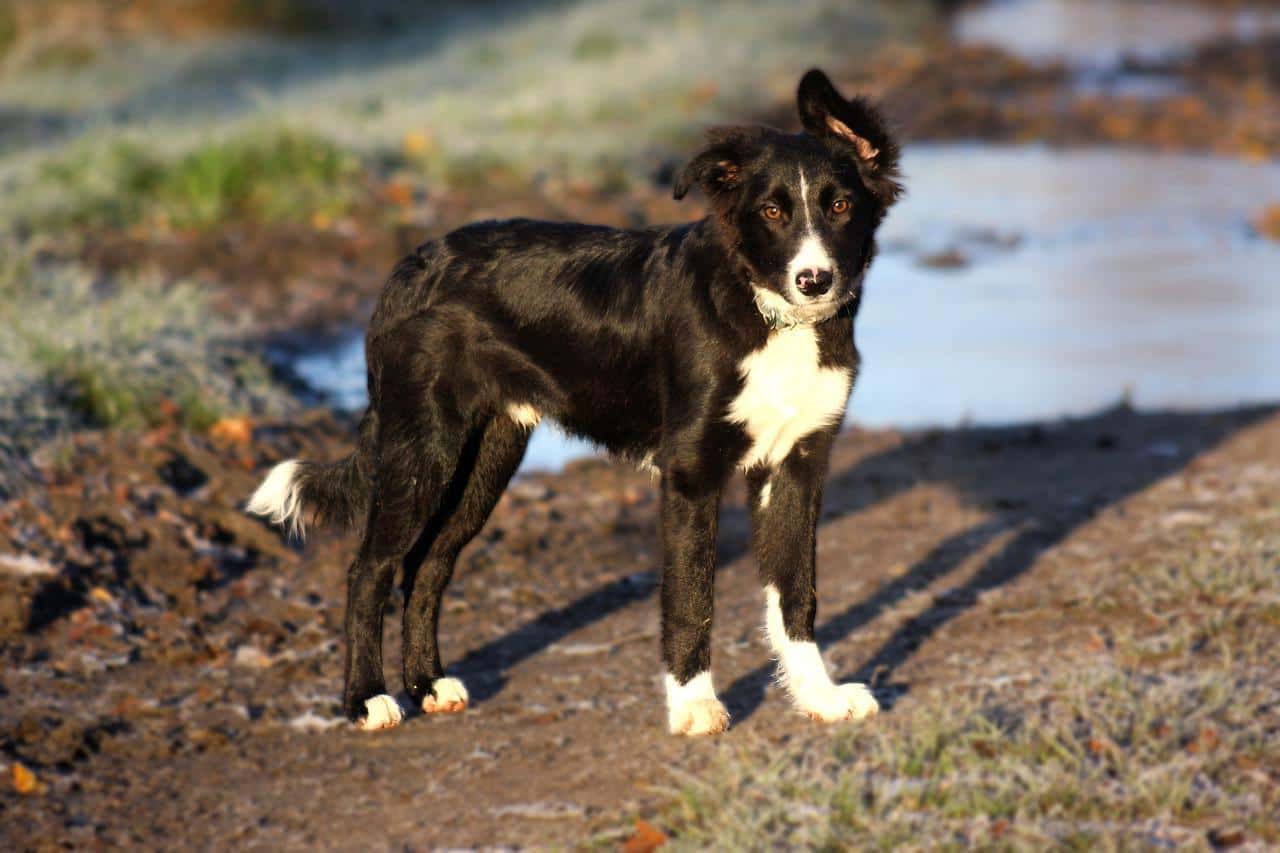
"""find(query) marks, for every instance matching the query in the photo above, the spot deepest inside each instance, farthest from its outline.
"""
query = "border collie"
(699, 349)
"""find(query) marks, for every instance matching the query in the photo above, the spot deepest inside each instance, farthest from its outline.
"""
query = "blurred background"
(200, 198)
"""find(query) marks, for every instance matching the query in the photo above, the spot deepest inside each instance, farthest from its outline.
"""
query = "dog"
(697, 350)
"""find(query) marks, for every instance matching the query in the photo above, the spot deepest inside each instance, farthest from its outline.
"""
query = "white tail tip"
(278, 499)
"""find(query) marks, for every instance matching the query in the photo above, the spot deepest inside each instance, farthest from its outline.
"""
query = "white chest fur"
(786, 395)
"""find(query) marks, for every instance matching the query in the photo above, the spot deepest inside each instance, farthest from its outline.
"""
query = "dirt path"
(946, 558)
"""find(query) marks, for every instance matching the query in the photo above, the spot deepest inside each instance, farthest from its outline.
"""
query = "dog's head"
(801, 210)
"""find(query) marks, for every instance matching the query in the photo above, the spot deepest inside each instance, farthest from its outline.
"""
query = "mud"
(177, 677)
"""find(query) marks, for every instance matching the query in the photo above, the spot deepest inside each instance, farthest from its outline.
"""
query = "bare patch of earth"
(171, 667)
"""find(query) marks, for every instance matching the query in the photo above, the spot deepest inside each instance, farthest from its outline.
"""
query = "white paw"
(448, 696)
(692, 707)
(381, 712)
(833, 703)
(699, 717)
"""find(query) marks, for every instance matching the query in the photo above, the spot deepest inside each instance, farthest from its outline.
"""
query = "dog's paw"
(381, 712)
(447, 696)
(699, 717)
(833, 703)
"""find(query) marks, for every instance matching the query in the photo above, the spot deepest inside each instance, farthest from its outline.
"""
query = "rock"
(25, 565)
(946, 259)
(180, 474)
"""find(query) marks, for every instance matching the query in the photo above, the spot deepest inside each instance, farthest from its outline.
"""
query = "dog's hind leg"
(423, 426)
(488, 462)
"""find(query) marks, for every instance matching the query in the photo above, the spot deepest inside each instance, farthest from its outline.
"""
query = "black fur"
(632, 338)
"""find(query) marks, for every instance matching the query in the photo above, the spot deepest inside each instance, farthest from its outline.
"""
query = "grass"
(596, 45)
(502, 85)
(8, 30)
(262, 176)
(1131, 752)
(79, 351)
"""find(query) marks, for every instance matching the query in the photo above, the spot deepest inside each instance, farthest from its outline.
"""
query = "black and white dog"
(720, 345)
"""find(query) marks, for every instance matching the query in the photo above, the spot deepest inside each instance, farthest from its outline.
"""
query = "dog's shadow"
(1135, 450)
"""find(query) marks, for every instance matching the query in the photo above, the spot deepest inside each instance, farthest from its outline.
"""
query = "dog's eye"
(771, 211)
(839, 206)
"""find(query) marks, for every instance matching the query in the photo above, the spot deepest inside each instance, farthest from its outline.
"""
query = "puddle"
(1073, 279)
(1136, 276)
(1100, 33)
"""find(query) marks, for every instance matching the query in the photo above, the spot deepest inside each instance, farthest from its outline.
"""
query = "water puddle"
(1022, 283)
(1101, 33)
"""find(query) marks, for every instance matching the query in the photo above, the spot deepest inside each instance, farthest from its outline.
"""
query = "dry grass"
(1173, 739)
(77, 350)
(593, 92)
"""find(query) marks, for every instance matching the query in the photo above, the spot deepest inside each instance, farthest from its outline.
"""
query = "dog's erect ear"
(717, 168)
(853, 125)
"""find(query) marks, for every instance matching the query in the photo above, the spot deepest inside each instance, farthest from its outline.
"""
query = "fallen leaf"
(25, 782)
(416, 143)
(234, 430)
(1205, 740)
(647, 838)
(398, 193)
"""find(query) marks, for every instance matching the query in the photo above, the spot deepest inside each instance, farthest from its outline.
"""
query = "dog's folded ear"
(717, 168)
(854, 126)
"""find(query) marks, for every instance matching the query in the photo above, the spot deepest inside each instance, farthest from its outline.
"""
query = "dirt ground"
(189, 699)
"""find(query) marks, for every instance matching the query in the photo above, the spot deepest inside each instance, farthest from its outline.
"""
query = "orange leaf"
(168, 408)
(24, 781)
(234, 430)
(646, 839)
(398, 193)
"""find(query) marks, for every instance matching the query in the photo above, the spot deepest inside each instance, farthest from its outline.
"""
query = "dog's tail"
(327, 493)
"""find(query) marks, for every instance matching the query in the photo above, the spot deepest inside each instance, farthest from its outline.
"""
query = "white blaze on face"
(812, 254)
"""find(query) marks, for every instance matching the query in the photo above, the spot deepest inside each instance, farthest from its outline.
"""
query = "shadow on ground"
(1039, 484)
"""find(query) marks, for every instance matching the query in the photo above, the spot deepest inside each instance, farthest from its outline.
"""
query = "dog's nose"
(814, 282)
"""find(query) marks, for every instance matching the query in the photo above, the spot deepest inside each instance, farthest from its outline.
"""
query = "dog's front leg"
(690, 507)
(786, 504)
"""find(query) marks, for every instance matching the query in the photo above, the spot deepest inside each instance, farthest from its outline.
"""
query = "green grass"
(1126, 753)
(79, 351)
(262, 176)
(596, 45)
(8, 30)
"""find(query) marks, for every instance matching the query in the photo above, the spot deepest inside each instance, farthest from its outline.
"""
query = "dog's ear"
(717, 168)
(854, 126)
